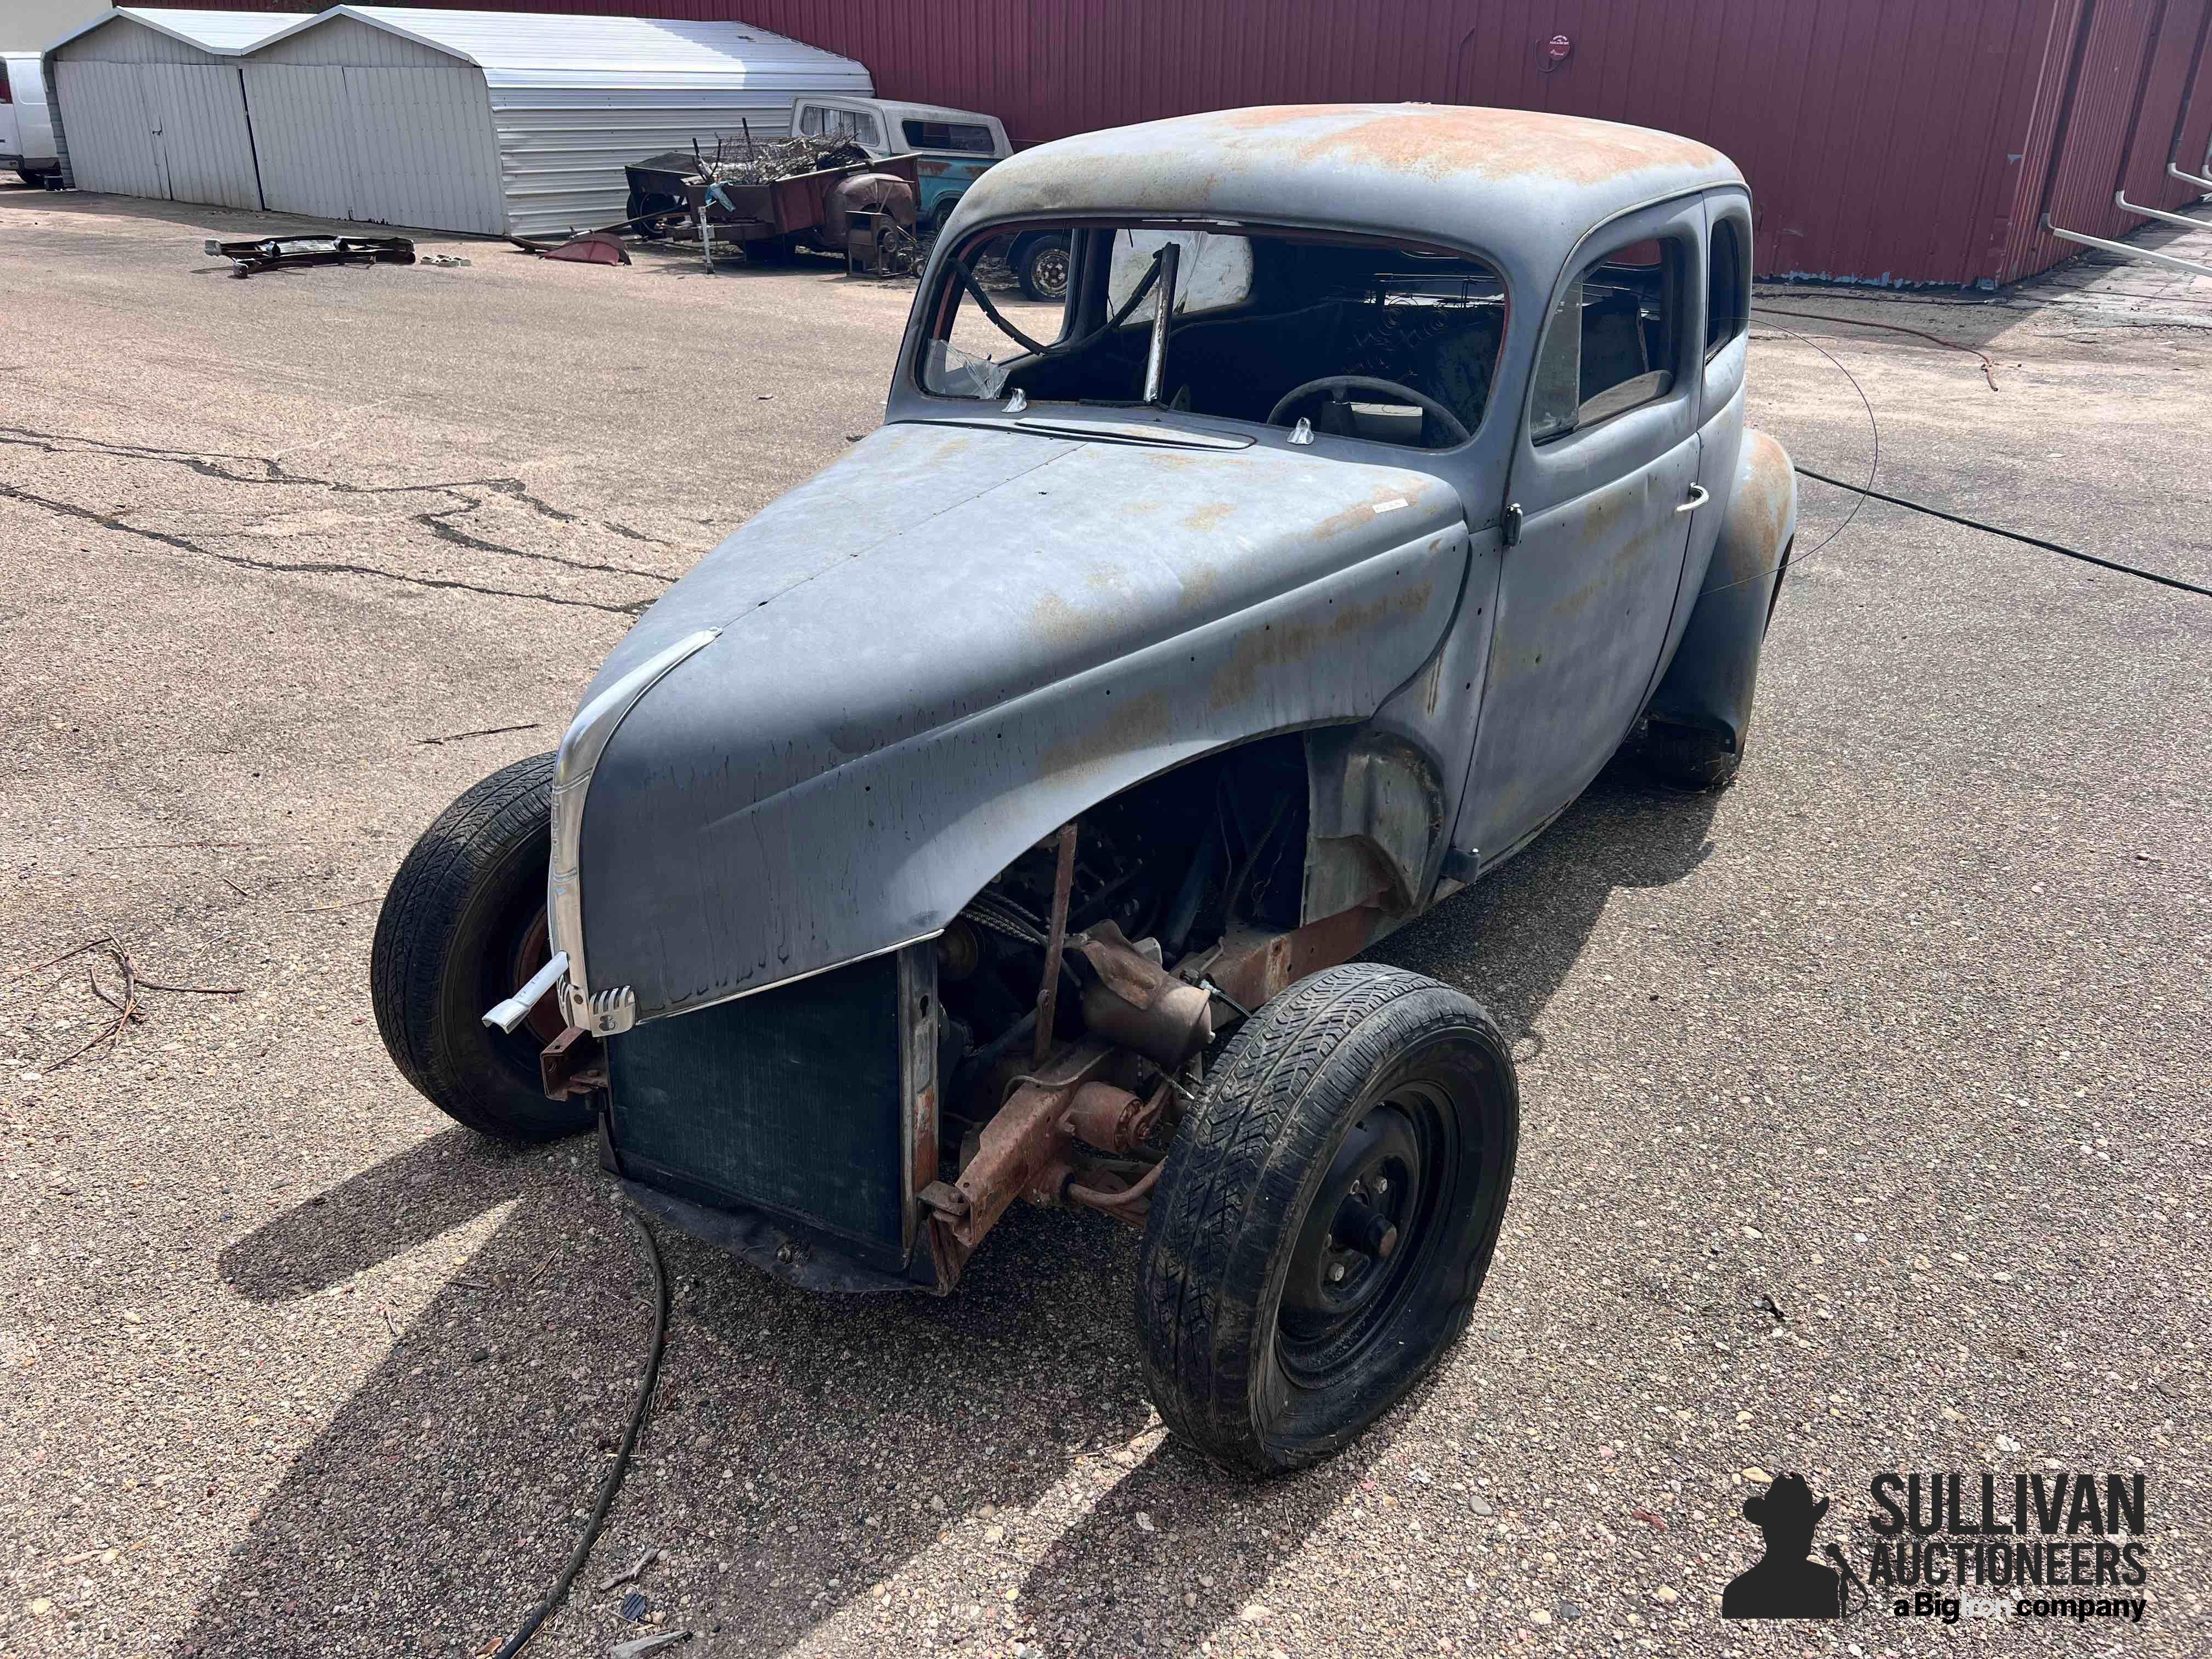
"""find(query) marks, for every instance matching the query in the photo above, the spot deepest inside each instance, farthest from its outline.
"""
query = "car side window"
(1728, 285)
(810, 119)
(1609, 343)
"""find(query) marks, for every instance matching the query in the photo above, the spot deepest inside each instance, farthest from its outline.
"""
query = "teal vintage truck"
(952, 148)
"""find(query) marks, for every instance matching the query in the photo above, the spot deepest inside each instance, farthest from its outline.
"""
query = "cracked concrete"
(1864, 1104)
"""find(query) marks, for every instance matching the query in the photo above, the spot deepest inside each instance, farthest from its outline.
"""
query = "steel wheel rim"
(1050, 271)
(1409, 1138)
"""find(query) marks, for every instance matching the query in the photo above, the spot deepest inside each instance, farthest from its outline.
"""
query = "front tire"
(463, 925)
(1327, 1212)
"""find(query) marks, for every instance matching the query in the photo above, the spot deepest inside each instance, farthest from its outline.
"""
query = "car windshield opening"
(1354, 338)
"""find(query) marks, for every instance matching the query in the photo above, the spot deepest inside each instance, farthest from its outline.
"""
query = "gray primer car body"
(978, 622)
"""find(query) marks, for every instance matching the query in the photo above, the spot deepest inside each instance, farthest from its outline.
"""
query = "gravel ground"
(1864, 1102)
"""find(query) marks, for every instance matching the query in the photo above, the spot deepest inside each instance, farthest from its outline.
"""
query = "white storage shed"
(149, 101)
(506, 122)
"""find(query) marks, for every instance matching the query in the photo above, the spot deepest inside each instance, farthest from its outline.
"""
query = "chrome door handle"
(1697, 498)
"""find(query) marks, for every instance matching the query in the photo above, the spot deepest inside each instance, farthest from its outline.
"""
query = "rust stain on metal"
(1052, 617)
(1765, 489)
(1113, 1120)
(1492, 143)
(925, 1137)
(1138, 1002)
(1278, 645)
(573, 1065)
(1024, 1137)
(1251, 966)
(1133, 723)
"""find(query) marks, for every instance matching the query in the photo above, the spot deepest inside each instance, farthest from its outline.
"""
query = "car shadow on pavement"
(789, 1464)
(801, 1449)
(1510, 940)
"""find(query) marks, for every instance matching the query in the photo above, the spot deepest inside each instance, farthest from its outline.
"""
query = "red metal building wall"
(1898, 141)
(2126, 87)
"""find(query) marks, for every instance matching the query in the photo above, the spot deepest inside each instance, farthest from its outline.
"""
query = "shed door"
(196, 113)
(110, 145)
(1607, 455)
(422, 147)
(301, 131)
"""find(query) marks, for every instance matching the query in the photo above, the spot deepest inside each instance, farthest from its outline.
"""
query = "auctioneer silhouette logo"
(2062, 1544)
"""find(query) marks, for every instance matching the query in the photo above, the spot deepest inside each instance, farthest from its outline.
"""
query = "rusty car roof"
(1501, 178)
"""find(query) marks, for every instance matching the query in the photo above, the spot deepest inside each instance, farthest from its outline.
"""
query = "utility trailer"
(769, 220)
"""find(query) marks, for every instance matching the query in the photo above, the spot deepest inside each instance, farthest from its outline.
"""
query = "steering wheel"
(1455, 429)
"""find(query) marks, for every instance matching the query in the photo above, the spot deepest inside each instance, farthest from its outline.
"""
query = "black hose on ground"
(612, 1484)
(2010, 535)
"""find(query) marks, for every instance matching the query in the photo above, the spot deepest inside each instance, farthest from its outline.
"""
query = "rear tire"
(1043, 266)
(462, 926)
(1278, 1320)
(1686, 756)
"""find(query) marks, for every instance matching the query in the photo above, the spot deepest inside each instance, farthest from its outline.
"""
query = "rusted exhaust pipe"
(1138, 1004)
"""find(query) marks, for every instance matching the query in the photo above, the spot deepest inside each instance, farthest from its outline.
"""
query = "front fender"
(886, 847)
(1709, 683)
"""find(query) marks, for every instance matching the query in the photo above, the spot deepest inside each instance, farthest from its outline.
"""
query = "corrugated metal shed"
(1908, 141)
(497, 121)
(148, 101)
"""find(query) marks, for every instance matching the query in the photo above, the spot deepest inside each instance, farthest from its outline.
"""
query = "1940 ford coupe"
(998, 815)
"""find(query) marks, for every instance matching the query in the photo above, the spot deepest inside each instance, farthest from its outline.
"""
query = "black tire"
(1253, 1355)
(463, 919)
(1041, 267)
(1686, 756)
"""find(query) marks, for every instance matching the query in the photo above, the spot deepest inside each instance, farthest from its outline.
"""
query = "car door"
(1604, 487)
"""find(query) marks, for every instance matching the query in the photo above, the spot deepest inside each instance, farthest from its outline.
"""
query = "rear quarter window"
(1728, 285)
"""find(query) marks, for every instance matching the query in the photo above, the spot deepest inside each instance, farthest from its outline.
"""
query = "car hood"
(953, 634)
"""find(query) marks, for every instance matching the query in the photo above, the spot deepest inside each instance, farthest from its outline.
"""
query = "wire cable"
(2010, 535)
(1989, 368)
(1874, 426)
(612, 1484)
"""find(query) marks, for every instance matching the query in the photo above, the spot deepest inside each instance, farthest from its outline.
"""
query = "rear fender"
(1709, 684)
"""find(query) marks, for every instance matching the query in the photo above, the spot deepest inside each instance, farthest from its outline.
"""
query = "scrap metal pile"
(763, 162)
